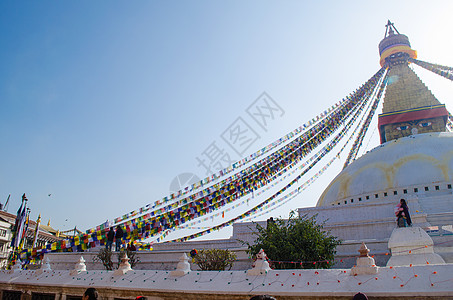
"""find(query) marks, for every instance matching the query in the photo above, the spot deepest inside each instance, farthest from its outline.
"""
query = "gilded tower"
(409, 106)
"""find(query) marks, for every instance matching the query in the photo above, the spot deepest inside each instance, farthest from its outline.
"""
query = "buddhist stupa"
(414, 160)
(409, 110)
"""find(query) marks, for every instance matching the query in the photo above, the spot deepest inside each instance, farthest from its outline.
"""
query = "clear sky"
(104, 103)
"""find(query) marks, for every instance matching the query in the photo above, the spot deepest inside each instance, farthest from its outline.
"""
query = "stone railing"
(427, 281)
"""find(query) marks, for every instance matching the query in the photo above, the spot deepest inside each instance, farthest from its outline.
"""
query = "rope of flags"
(318, 174)
(264, 205)
(331, 113)
(221, 173)
(232, 195)
(364, 128)
(261, 211)
(308, 140)
(264, 172)
(443, 71)
(133, 227)
(240, 180)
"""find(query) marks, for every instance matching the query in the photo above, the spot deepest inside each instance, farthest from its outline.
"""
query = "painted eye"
(426, 124)
(402, 127)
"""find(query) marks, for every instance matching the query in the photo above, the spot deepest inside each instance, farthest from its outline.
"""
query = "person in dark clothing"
(131, 247)
(360, 296)
(110, 237)
(406, 212)
(270, 222)
(90, 294)
(118, 237)
(403, 217)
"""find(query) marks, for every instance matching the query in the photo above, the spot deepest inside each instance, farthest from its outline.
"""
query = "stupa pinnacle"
(394, 46)
(409, 106)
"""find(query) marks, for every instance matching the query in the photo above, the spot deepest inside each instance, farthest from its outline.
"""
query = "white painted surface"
(419, 159)
(416, 280)
(412, 246)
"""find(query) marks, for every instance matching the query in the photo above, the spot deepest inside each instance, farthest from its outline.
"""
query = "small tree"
(105, 257)
(214, 259)
(298, 242)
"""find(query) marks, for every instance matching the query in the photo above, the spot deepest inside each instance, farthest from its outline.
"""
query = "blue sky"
(103, 103)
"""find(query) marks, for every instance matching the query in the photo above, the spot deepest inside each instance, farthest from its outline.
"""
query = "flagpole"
(35, 237)
(16, 232)
(23, 240)
(21, 224)
(5, 208)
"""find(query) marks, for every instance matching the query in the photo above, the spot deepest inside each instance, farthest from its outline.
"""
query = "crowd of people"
(115, 235)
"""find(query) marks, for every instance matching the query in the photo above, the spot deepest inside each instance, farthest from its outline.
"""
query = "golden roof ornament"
(395, 48)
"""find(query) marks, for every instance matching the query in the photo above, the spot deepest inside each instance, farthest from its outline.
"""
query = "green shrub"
(296, 243)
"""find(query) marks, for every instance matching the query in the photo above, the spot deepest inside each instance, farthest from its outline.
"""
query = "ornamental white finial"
(183, 266)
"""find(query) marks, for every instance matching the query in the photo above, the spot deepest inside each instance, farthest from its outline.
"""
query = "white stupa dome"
(413, 160)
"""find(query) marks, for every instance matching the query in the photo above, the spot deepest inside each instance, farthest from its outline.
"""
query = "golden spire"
(409, 106)
(394, 46)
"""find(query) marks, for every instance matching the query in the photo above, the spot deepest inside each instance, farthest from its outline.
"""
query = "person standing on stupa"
(110, 237)
(118, 238)
(403, 217)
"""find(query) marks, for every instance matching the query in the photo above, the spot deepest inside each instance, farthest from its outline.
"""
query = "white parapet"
(427, 281)
(412, 246)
